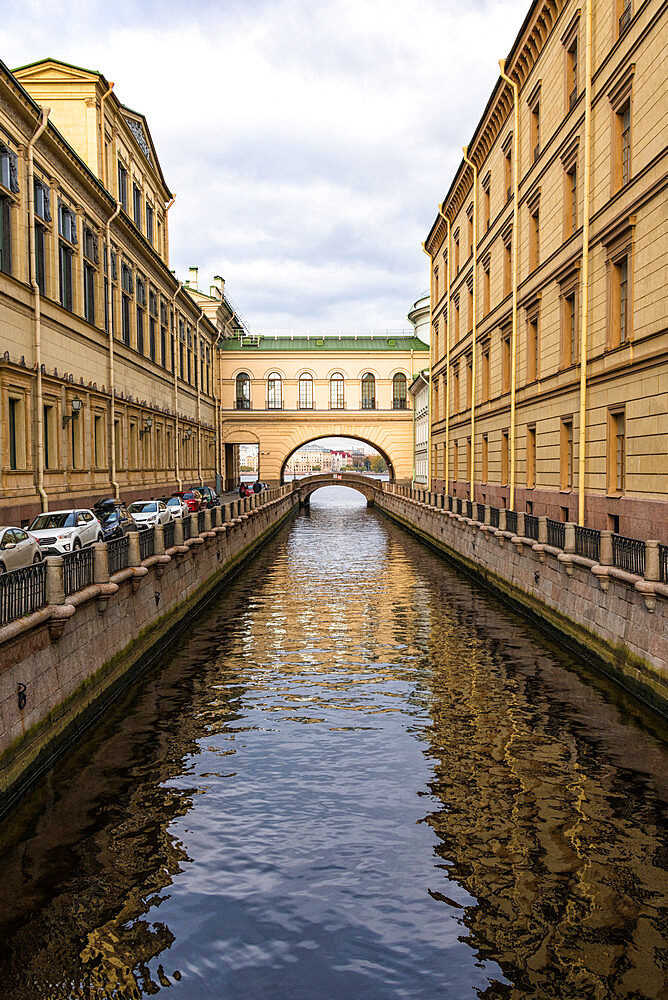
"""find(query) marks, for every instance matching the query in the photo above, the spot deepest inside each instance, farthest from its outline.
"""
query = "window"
(98, 441)
(485, 201)
(274, 392)
(620, 301)
(456, 238)
(572, 73)
(336, 396)
(504, 458)
(622, 270)
(5, 235)
(505, 361)
(455, 387)
(624, 14)
(468, 460)
(485, 458)
(485, 372)
(469, 214)
(14, 425)
(533, 348)
(134, 442)
(123, 186)
(136, 205)
(208, 369)
(127, 285)
(152, 323)
(399, 391)
(508, 165)
(49, 436)
(243, 398)
(531, 457)
(189, 354)
(485, 285)
(455, 461)
(469, 296)
(469, 380)
(91, 260)
(616, 451)
(9, 174)
(76, 443)
(163, 335)
(534, 239)
(306, 392)
(368, 392)
(566, 454)
(507, 262)
(40, 257)
(141, 303)
(65, 269)
(436, 296)
(569, 339)
(456, 318)
(570, 201)
(149, 223)
(625, 140)
(535, 131)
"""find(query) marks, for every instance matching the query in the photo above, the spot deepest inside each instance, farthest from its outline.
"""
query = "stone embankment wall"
(60, 666)
(618, 619)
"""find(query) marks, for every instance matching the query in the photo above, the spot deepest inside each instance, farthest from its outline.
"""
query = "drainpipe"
(513, 337)
(39, 449)
(110, 337)
(431, 337)
(102, 131)
(175, 334)
(447, 355)
(198, 375)
(475, 311)
(585, 269)
(166, 233)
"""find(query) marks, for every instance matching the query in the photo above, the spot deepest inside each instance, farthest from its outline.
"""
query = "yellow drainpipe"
(447, 356)
(102, 132)
(475, 311)
(431, 338)
(166, 233)
(198, 376)
(585, 269)
(513, 337)
(110, 339)
(39, 444)
(175, 344)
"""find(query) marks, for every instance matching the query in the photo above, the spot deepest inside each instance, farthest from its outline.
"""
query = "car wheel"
(100, 538)
(77, 544)
(37, 558)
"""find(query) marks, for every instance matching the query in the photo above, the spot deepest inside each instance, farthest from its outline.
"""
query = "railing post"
(100, 563)
(227, 513)
(652, 560)
(207, 520)
(502, 519)
(487, 515)
(520, 524)
(159, 540)
(569, 537)
(605, 553)
(134, 557)
(542, 529)
(217, 517)
(178, 532)
(194, 525)
(55, 585)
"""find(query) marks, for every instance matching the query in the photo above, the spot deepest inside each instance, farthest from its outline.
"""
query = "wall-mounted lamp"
(146, 429)
(76, 410)
(187, 434)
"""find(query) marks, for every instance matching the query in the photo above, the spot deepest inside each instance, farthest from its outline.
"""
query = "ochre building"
(107, 367)
(548, 277)
(281, 393)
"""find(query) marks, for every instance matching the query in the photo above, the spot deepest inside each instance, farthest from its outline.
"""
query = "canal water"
(357, 776)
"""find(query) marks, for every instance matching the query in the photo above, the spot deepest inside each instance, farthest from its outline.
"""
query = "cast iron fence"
(22, 591)
(168, 534)
(511, 521)
(146, 543)
(531, 526)
(663, 563)
(628, 554)
(77, 570)
(494, 516)
(200, 521)
(187, 527)
(588, 542)
(118, 551)
(556, 533)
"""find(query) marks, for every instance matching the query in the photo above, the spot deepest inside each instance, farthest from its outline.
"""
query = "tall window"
(508, 170)
(469, 380)
(625, 124)
(91, 260)
(616, 451)
(399, 391)
(336, 394)
(533, 350)
(123, 185)
(504, 458)
(485, 371)
(485, 201)
(455, 387)
(182, 350)
(152, 323)
(507, 263)
(5, 235)
(127, 286)
(485, 286)
(368, 392)
(136, 205)
(620, 301)
(624, 13)
(456, 318)
(534, 239)
(50, 437)
(566, 455)
(572, 73)
(455, 461)
(505, 362)
(569, 350)
(623, 278)
(535, 131)
(274, 391)
(306, 392)
(485, 458)
(456, 251)
(42, 216)
(13, 427)
(570, 200)
(243, 400)
(163, 335)
(149, 223)
(531, 457)
(67, 230)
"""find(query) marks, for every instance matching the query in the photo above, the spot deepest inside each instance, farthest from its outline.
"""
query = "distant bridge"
(367, 485)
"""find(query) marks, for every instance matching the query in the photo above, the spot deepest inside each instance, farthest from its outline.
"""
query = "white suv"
(65, 530)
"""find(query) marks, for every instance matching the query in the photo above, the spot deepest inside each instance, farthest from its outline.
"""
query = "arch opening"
(309, 457)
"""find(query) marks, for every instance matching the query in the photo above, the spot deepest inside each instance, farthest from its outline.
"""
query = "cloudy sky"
(308, 142)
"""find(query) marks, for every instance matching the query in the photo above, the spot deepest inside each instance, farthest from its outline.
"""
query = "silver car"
(177, 508)
(65, 530)
(149, 512)
(17, 549)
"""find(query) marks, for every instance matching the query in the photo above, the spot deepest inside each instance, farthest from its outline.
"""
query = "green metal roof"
(346, 342)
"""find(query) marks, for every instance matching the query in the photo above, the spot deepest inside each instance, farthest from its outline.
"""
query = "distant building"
(419, 390)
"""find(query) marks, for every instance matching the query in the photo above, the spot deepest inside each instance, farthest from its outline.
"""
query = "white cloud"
(308, 144)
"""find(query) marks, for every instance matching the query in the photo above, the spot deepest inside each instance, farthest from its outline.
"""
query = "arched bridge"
(366, 485)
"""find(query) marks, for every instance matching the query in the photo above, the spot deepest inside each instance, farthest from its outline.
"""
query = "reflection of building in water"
(565, 873)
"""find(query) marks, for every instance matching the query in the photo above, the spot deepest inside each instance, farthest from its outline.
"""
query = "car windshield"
(50, 521)
(142, 508)
(189, 496)
(174, 502)
(107, 516)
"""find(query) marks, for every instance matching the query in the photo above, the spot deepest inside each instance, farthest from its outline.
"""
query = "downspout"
(585, 268)
(431, 337)
(475, 313)
(39, 449)
(166, 234)
(110, 336)
(447, 356)
(198, 375)
(175, 355)
(103, 130)
(513, 336)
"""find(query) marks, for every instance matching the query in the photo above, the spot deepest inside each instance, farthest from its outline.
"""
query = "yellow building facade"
(281, 393)
(548, 278)
(107, 362)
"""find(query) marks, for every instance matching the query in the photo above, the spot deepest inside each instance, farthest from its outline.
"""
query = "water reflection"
(360, 776)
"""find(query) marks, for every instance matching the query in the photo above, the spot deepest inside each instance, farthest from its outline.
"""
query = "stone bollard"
(502, 519)
(486, 514)
(134, 558)
(100, 563)
(55, 585)
(217, 517)
(441, 498)
(194, 525)
(207, 520)
(569, 537)
(178, 532)
(159, 540)
(542, 529)
(605, 551)
(520, 524)
(227, 513)
(652, 569)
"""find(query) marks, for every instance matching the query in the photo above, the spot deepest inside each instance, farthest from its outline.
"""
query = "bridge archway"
(366, 485)
(352, 437)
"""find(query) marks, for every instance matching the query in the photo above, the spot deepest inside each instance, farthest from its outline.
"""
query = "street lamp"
(76, 409)
(146, 429)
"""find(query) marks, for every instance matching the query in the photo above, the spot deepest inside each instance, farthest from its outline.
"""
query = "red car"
(190, 500)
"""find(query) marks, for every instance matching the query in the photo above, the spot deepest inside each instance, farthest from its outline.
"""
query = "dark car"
(115, 518)
(209, 497)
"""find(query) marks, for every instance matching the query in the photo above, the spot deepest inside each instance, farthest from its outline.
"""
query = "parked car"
(192, 502)
(245, 490)
(149, 512)
(209, 498)
(115, 518)
(177, 507)
(65, 530)
(17, 549)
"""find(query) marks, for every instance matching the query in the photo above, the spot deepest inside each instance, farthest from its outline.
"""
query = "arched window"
(243, 400)
(336, 395)
(306, 392)
(368, 392)
(274, 392)
(399, 391)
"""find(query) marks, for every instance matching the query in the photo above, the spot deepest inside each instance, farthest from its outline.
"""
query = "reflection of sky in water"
(356, 776)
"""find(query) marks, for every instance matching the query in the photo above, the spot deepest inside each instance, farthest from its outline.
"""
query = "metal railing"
(494, 516)
(118, 551)
(243, 404)
(628, 554)
(22, 591)
(531, 526)
(468, 507)
(77, 570)
(186, 527)
(200, 521)
(511, 521)
(663, 563)
(146, 543)
(556, 533)
(399, 404)
(168, 534)
(588, 542)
